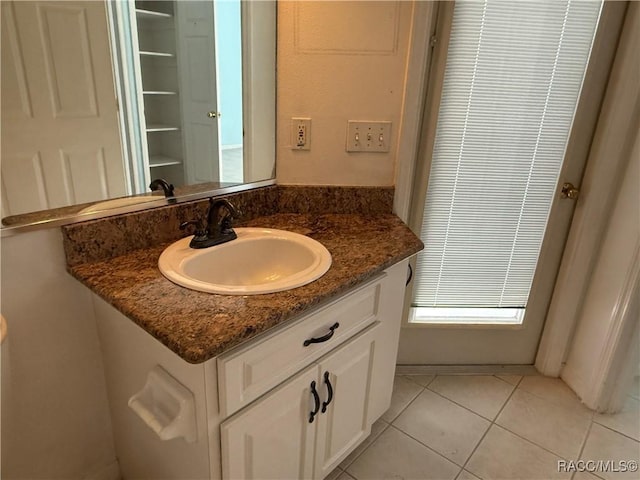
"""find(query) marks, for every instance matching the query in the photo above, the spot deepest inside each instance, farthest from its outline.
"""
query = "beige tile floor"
(466, 427)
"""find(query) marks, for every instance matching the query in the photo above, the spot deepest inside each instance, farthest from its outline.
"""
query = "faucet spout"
(161, 183)
(219, 228)
(216, 221)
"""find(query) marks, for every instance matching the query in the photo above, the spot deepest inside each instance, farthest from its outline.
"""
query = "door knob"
(214, 114)
(569, 191)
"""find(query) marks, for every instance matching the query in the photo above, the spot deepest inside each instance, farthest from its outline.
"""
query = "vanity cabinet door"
(273, 438)
(344, 391)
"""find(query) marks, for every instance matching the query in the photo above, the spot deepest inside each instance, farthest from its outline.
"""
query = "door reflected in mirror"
(188, 77)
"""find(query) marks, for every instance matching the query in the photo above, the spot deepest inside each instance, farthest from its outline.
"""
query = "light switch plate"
(368, 136)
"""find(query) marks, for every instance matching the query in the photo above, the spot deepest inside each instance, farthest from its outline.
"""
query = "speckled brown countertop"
(198, 326)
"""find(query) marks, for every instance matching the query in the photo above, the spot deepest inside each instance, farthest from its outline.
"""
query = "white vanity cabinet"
(252, 405)
(304, 428)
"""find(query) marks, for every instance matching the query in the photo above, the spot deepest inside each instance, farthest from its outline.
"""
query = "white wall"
(55, 418)
(339, 61)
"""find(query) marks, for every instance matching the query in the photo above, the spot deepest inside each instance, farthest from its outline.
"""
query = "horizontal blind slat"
(512, 79)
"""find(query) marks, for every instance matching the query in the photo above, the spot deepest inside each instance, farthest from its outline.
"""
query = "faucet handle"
(200, 230)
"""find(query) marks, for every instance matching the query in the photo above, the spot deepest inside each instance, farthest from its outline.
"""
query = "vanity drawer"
(247, 373)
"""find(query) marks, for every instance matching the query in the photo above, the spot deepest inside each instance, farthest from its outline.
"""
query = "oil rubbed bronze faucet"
(218, 228)
(161, 183)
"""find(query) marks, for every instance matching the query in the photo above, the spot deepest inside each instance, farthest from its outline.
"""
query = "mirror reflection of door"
(187, 60)
(60, 134)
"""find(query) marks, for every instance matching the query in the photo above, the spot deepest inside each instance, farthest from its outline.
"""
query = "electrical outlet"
(368, 136)
(300, 133)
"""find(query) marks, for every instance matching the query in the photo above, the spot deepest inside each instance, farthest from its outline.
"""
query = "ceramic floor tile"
(422, 380)
(584, 476)
(605, 444)
(626, 422)
(394, 455)
(404, 391)
(443, 426)
(503, 455)
(512, 379)
(549, 425)
(464, 475)
(376, 429)
(345, 476)
(635, 388)
(483, 394)
(334, 475)
(554, 390)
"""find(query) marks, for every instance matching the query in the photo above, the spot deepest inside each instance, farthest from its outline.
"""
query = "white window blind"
(513, 76)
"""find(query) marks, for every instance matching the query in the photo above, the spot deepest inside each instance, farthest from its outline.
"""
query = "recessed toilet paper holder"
(166, 406)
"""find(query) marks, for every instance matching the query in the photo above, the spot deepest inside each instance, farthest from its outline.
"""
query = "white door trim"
(612, 144)
(424, 17)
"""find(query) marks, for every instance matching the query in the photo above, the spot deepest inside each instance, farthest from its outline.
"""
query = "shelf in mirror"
(143, 14)
(163, 161)
(148, 53)
(156, 127)
(158, 92)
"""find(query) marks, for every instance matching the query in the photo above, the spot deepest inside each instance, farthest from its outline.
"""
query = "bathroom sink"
(260, 260)
(120, 202)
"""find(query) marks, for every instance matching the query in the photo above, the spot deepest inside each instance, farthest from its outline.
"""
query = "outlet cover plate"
(300, 133)
(368, 136)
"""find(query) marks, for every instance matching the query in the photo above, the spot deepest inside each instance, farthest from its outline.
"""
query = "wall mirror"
(100, 98)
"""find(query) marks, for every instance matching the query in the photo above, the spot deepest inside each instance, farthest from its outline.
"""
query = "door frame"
(422, 69)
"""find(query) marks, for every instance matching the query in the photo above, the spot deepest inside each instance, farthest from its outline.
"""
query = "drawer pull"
(316, 400)
(323, 338)
(329, 390)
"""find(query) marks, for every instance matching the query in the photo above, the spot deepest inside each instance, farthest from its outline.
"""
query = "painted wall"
(55, 418)
(339, 61)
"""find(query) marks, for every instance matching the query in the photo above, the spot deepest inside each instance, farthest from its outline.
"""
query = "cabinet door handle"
(323, 338)
(329, 391)
(409, 275)
(316, 400)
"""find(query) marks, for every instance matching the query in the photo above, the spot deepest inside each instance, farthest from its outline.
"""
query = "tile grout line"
(467, 408)
(557, 455)
(615, 431)
(515, 387)
(390, 423)
(584, 443)
(560, 404)
(427, 447)
(493, 422)
(366, 448)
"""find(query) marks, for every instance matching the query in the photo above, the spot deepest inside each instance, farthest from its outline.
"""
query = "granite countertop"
(198, 326)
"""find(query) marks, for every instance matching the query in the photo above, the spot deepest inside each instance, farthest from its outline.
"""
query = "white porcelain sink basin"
(260, 260)
(120, 202)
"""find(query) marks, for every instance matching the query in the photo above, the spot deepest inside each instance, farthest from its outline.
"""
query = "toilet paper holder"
(166, 406)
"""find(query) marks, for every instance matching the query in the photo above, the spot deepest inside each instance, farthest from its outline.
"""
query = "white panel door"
(346, 378)
(273, 438)
(60, 137)
(198, 97)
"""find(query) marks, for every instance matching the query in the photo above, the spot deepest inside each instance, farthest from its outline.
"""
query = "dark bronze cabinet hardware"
(316, 400)
(323, 338)
(327, 382)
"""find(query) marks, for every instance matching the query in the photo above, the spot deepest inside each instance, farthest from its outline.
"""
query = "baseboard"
(466, 370)
(108, 472)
